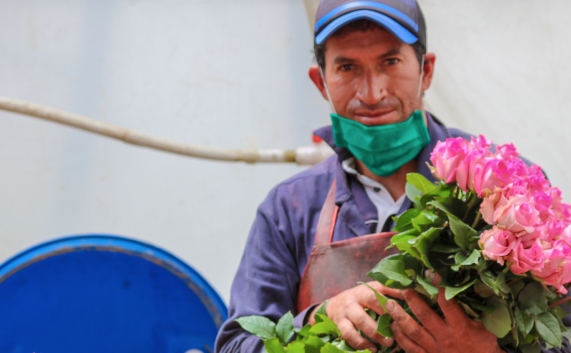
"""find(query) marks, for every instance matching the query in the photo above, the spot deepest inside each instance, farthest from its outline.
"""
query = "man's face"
(373, 77)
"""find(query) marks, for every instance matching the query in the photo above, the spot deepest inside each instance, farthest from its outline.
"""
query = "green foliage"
(258, 325)
(440, 234)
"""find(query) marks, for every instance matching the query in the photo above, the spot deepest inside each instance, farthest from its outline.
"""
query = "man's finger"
(416, 333)
(368, 326)
(353, 338)
(395, 293)
(454, 314)
(424, 313)
(404, 342)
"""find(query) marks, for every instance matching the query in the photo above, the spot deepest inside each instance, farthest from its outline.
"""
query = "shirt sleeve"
(267, 279)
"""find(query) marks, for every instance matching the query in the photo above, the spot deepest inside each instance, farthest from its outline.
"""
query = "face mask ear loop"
(327, 90)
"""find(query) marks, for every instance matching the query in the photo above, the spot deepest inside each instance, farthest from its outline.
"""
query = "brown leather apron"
(335, 267)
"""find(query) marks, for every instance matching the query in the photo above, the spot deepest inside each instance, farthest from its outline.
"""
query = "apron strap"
(327, 218)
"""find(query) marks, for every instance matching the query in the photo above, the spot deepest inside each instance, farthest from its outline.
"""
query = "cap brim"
(393, 26)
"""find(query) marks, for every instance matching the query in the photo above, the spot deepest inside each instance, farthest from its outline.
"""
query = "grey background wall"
(232, 74)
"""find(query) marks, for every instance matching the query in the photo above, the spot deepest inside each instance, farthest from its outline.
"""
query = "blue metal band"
(396, 28)
(373, 4)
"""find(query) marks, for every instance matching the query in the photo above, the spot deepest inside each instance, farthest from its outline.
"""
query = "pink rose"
(539, 232)
(542, 202)
(556, 199)
(565, 235)
(516, 187)
(488, 206)
(507, 151)
(516, 214)
(536, 179)
(446, 156)
(494, 174)
(557, 266)
(522, 260)
(497, 243)
(471, 167)
(480, 143)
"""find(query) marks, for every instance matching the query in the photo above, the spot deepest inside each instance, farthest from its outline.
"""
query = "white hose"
(303, 155)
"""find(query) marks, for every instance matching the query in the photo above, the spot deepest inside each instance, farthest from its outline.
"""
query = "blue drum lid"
(101, 293)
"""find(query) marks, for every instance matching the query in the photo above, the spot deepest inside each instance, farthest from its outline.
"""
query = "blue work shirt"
(283, 234)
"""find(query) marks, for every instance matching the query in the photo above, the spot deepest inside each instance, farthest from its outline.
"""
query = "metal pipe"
(303, 155)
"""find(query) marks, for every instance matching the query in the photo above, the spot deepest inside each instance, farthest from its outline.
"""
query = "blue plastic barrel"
(105, 294)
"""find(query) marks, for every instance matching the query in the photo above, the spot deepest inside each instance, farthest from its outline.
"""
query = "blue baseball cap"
(403, 18)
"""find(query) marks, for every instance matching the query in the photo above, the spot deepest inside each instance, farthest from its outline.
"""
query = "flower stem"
(562, 301)
(477, 220)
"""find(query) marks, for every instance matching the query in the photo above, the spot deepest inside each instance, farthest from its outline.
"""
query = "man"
(311, 239)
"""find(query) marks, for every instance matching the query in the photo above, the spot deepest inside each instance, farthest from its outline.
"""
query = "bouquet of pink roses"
(497, 234)
(531, 225)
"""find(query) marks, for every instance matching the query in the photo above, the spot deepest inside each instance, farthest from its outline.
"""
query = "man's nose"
(372, 88)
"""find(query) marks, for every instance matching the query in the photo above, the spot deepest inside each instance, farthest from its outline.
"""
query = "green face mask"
(383, 149)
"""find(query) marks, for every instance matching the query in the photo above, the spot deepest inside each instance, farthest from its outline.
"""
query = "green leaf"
(533, 295)
(516, 287)
(524, 322)
(383, 325)
(403, 222)
(381, 298)
(421, 183)
(468, 310)
(414, 195)
(483, 290)
(462, 232)
(444, 191)
(451, 292)
(259, 326)
(313, 344)
(405, 242)
(547, 326)
(497, 283)
(342, 345)
(487, 309)
(324, 327)
(463, 260)
(423, 221)
(273, 345)
(445, 249)
(284, 328)
(530, 348)
(472, 259)
(560, 312)
(424, 242)
(499, 322)
(323, 308)
(329, 348)
(450, 205)
(393, 270)
(304, 331)
(295, 347)
(430, 289)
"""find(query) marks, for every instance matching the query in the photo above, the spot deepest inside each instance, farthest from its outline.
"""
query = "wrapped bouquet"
(493, 229)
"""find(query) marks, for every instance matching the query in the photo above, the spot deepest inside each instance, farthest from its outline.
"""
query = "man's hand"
(457, 333)
(347, 310)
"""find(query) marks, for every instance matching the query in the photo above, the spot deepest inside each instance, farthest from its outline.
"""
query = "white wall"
(231, 74)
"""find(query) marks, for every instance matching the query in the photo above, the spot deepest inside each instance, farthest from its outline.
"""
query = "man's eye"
(346, 67)
(392, 61)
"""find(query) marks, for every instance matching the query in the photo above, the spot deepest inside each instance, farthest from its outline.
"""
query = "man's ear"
(429, 61)
(315, 76)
